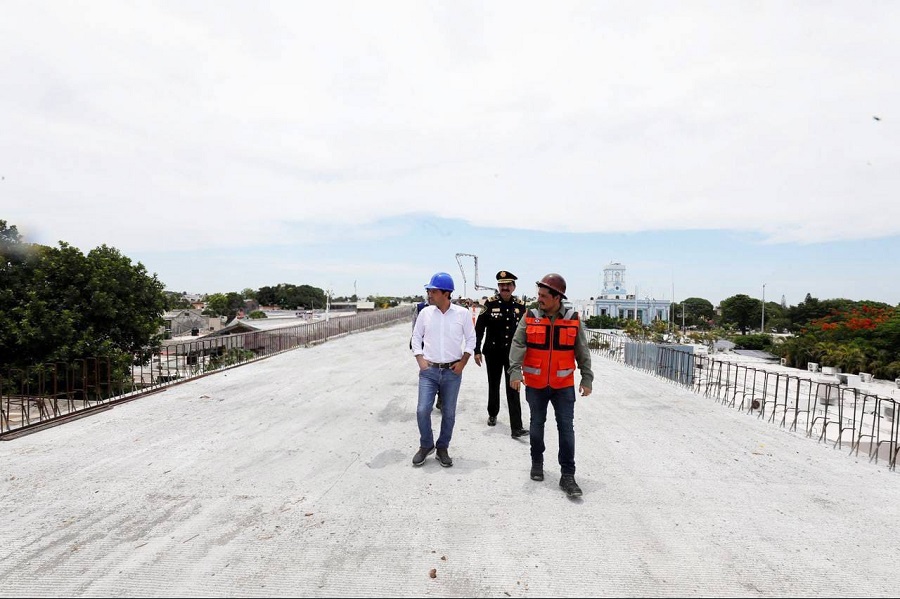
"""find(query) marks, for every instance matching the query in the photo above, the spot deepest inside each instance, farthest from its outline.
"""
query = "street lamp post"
(762, 324)
(635, 303)
(327, 304)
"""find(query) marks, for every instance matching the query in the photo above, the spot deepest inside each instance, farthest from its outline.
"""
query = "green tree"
(775, 318)
(811, 309)
(216, 304)
(604, 321)
(11, 247)
(741, 311)
(805, 312)
(308, 296)
(797, 351)
(58, 304)
(291, 297)
(634, 329)
(856, 336)
(887, 336)
(224, 304)
(760, 341)
(658, 330)
(266, 296)
(123, 303)
(16, 266)
(383, 302)
(697, 311)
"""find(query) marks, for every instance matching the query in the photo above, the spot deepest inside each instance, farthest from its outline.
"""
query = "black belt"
(444, 365)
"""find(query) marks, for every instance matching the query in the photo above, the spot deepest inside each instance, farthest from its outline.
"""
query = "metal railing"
(857, 417)
(46, 394)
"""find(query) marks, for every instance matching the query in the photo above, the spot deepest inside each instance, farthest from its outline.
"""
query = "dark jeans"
(563, 401)
(497, 365)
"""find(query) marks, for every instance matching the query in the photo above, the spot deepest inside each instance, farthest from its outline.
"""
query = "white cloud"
(171, 124)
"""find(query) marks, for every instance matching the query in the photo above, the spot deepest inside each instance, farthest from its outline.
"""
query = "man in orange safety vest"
(546, 346)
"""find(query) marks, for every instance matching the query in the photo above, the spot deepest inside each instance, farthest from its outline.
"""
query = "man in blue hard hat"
(443, 341)
(419, 307)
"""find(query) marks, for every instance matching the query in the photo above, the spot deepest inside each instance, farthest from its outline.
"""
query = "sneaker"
(420, 456)
(492, 420)
(537, 471)
(444, 458)
(519, 432)
(568, 484)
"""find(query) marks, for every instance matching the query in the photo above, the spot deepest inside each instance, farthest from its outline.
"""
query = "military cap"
(504, 276)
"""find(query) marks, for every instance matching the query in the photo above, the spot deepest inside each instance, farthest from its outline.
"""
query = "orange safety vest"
(550, 350)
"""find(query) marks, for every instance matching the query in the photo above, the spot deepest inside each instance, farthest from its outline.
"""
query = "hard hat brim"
(546, 286)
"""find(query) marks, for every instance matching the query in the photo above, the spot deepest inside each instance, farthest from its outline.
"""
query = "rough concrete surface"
(293, 476)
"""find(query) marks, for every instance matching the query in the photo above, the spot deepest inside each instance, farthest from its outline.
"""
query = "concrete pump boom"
(463, 271)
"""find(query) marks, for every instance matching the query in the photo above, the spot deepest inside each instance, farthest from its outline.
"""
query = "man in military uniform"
(495, 325)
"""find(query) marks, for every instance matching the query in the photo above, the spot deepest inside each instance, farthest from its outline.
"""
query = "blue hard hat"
(442, 281)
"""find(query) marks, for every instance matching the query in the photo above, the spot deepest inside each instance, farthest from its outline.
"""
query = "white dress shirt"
(446, 335)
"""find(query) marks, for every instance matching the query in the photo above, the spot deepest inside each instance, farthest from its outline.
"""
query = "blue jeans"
(563, 401)
(432, 380)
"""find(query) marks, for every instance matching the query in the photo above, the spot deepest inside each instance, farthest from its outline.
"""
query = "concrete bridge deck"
(292, 476)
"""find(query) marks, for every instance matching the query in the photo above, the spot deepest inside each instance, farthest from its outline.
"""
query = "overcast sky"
(711, 147)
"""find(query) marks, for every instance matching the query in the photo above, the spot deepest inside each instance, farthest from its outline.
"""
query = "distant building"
(617, 301)
(585, 308)
(178, 323)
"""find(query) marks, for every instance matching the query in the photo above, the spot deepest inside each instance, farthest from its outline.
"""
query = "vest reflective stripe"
(550, 350)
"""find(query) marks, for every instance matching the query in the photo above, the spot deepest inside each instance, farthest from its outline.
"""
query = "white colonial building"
(617, 301)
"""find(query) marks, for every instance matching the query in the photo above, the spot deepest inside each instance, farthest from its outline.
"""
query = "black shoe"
(444, 458)
(439, 405)
(537, 471)
(492, 420)
(568, 484)
(420, 456)
(519, 432)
